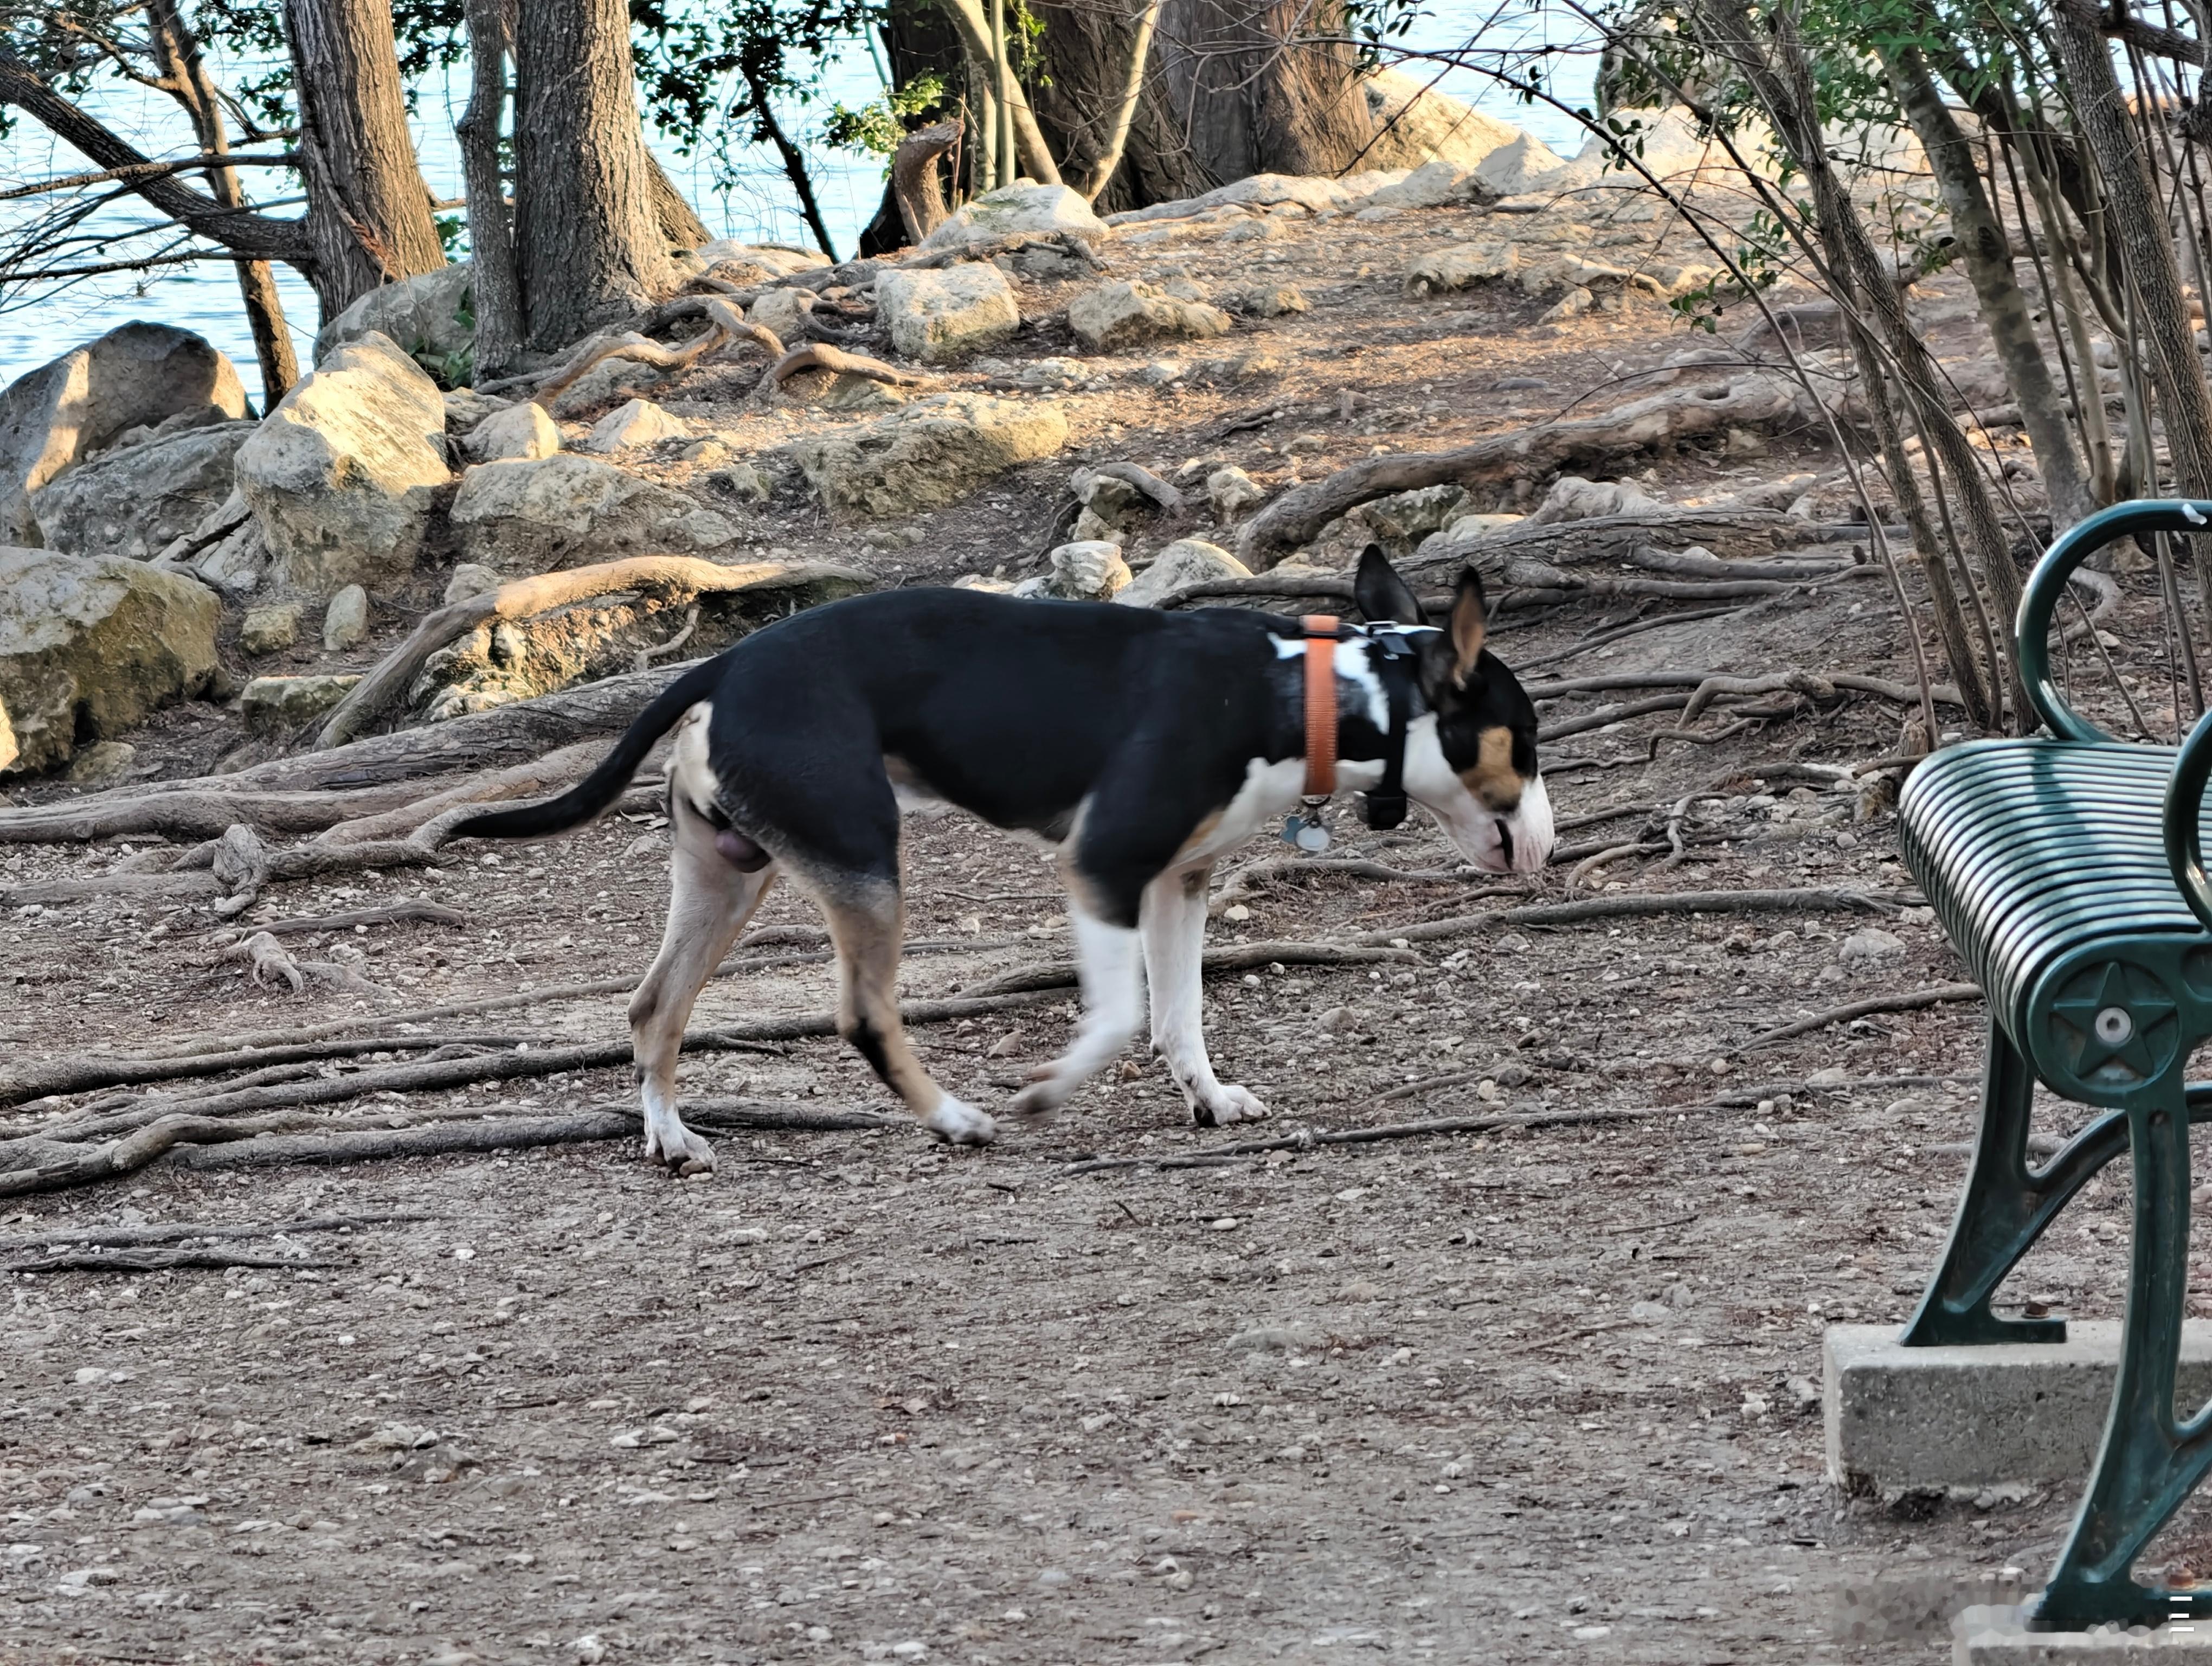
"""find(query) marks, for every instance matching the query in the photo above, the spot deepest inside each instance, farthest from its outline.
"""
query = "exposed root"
(1253, 876)
(1808, 900)
(1911, 1001)
(1242, 957)
(821, 355)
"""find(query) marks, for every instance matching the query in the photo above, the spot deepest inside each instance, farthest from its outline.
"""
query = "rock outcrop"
(135, 500)
(520, 516)
(430, 316)
(1126, 313)
(928, 454)
(135, 376)
(1418, 125)
(639, 423)
(346, 472)
(937, 316)
(523, 431)
(89, 647)
(285, 705)
(1186, 561)
(1022, 206)
(1087, 570)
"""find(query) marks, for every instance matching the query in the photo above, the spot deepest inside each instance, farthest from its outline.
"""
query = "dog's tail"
(589, 796)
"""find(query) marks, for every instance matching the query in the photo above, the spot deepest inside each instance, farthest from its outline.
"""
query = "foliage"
(877, 127)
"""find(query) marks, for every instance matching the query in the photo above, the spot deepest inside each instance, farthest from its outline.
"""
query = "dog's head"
(1471, 754)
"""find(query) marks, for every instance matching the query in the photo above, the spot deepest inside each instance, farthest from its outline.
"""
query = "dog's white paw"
(675, 1146)
(959, 1124)
(1225, 1104)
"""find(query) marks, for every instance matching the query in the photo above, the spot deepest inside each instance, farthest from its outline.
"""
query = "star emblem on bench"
(2107, 989)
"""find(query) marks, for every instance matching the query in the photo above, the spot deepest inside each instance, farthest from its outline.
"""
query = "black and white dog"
(1142, 744)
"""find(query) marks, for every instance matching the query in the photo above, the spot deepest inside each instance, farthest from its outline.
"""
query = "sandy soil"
(1530, 1395)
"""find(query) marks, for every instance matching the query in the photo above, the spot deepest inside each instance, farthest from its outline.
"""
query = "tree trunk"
(492, 234)
(590, 246)
(2004, 309)
(915, 184)
(178, 50)
(679, 222)
(2138, 225)
(974, 31)
(1250, 92)
(369, 212)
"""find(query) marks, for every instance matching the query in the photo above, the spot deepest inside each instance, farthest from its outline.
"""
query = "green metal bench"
(2070, 874)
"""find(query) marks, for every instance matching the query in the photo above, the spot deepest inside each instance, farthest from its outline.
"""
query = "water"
(39, 326)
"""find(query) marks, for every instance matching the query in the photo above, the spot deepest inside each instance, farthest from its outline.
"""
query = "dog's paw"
(677, 1148)
(1226, 1104)
(960, 1124)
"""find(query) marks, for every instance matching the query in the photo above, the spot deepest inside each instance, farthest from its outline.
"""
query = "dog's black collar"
(1383, 806)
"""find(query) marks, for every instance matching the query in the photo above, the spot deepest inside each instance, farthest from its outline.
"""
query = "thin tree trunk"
(369, 212)
(178, 50)
(975, 32)
(492, 234)
(589, 244)
(2004, 309)
(1104, 157)
(794, 164)
(915, 183)
(2138, 225)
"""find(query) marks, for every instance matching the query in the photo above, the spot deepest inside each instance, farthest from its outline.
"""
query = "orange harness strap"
(1321, 704)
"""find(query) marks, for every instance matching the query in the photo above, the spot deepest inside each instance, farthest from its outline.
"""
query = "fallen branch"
(191, 1231)
(1146, 482)
(154, 1261)
(1912, 1001)
(659, 575)
(1808, 900)
(81, 1075)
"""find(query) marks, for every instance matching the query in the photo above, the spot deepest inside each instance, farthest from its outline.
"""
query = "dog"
(1142, 744)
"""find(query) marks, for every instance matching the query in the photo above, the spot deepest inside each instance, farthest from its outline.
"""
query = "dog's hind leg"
(710, 900)
(866, 920)
(1174, 925)
(1106, 964)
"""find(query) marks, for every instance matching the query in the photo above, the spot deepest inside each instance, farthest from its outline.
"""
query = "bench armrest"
(2046, 584)
(2184, 820)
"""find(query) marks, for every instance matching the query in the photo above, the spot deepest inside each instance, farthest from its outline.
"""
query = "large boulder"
(88, 646)
(1022, 206)
(431, 317)
(1186, 561)
(1461, 268)
(936, 317)
(534, 516)
(134, 500)
(1125, 313)
(523, 430)
(928, 454)
(770, 259)
(136, 375)
(345, 475)
(1526, 164)
(1416, 123)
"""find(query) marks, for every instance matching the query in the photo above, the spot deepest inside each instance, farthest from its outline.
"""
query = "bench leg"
(2004, 1209)
(2149, 1461)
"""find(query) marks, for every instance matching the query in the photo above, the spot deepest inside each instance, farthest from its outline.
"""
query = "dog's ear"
(1470, 625)
(1384, 597)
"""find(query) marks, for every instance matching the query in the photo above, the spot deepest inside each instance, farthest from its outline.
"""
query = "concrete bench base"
(1899, 1417)
(1999, 1637)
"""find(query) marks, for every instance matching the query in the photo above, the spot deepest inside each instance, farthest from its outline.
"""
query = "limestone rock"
(607, 383)
(1262, 190)
(465, 408)
(430, 316)
(740, 480)
(1432, 185)
(639, 423)
(269, 630)
(238, 562)
(774, 259)
(1573, 498)
(8, 749)
(346, 620)
(1416, 123)
(1524, 165)
(101, 764)
(931, 452)
(1186, 561)
(1461, 268)
(937, 316)
(780, 310)
(1232, 491)
(470, 579)
(91, 646)
(521, 517)
(505, 660)
(1123, 313)
(1275, 301)
(1398, 523)
(133, 501)
(346, 472)
(134, 376)
(1022, 206)
(281, 705)
(1088, 570)
(523, 430)
(1573, 304)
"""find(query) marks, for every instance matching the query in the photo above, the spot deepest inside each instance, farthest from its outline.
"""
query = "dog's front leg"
(1174, 948)
(1106, 964)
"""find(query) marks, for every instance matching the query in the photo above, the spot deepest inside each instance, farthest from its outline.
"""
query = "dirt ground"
(1540, 1393)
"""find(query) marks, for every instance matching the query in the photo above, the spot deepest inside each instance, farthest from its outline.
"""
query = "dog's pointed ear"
(1384, 597)
(1470, 625)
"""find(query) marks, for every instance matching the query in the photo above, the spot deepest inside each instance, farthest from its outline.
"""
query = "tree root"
(1601, 538)
(154, 1261)
(1253, 876)
(670, 575)
(725, 327)
(1756, 402)
(821, 355)
(1911, 1001)
(541, 777)
(1808, 900)
(189, 1231)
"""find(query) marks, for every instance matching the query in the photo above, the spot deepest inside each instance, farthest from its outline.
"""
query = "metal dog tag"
(1307, 835)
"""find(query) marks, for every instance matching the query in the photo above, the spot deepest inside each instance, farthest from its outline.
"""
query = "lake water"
(39, 326)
